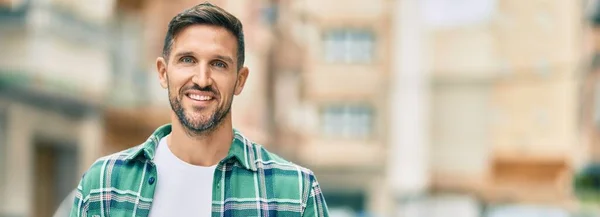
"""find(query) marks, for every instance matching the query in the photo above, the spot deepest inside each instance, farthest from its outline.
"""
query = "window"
(349, 46)
(347, 121)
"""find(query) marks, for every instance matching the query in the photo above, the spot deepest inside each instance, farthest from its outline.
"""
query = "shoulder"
(280, 167)
(105, 166)
(269, 160)
(287, 175)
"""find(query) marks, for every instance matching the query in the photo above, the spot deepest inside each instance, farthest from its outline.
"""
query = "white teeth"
(200, 97)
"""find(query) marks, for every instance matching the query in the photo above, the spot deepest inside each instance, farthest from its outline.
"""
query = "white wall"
(408, 169)
(460, 144)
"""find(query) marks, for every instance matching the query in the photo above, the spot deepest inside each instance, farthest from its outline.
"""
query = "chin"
(196, 118)
(197, 122)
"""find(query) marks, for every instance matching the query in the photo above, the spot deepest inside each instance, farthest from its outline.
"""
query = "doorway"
(55, 175)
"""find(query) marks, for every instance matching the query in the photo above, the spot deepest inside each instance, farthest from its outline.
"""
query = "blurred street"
(409, 108)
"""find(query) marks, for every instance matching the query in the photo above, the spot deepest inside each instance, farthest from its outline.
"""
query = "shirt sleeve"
(78, 208)
(315, 203)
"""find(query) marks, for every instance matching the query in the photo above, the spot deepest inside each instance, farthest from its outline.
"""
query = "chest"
(231, 191)
(183, 192)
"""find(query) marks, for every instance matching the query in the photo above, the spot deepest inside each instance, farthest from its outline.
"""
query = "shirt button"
(218, 185)
(151, 180)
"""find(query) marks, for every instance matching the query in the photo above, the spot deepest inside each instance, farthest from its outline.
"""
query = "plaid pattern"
(250, 181)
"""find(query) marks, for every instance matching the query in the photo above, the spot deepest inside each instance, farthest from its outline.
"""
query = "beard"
(191, 119)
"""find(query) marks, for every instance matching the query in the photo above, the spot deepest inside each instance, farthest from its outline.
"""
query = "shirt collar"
(241, 148)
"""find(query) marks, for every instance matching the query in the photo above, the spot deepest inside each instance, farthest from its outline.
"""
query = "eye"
(220, 64)
(187, 59)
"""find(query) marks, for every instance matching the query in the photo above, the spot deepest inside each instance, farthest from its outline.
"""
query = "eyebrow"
(225, 58)
(184, 53)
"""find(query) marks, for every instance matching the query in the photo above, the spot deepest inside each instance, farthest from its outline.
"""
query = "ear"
(161, 67)
(241, 80)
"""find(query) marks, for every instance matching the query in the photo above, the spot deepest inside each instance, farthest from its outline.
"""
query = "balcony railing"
(8, 13)
(55, 20)
(66, 24)
(22, 87)
(45, 26)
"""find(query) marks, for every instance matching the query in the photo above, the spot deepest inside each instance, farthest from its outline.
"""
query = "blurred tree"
(586, 184)
(593, 12)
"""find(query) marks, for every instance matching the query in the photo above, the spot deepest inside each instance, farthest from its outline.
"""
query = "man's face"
(201, 76)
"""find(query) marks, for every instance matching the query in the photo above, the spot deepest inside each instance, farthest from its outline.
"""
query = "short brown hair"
(206, 14)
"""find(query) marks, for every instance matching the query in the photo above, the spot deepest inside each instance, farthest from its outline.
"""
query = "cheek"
(231, 87)
(176, 80)
(224, 83)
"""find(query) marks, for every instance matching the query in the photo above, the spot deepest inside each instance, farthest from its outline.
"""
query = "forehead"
(205, 39)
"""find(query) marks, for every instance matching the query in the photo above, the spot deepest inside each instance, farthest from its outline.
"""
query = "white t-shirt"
(182, 189)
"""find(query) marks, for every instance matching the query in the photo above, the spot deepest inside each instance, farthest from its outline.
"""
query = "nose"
(202, 76)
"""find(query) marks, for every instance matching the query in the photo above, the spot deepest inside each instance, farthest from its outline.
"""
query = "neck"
(201, 150)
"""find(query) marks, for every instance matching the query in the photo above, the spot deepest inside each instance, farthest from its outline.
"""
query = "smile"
(199, 97)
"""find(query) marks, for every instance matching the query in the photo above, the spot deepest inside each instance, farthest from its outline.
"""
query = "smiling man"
(198, 165)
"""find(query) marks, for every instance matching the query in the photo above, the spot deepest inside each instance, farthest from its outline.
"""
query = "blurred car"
(526, 211)
(341, 212)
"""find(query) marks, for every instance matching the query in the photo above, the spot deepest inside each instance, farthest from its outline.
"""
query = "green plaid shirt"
(250, 181)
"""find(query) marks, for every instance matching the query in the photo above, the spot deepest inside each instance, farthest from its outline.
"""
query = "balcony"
(334, 154)
(13, 15)
(54, 50)
(19, 87)
(546, 180)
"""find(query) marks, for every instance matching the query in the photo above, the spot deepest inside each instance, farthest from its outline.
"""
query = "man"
(199, 165)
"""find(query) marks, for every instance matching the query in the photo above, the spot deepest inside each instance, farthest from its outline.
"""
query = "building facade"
(590, 89)
(508, 75)
(54, 73)
(331, 86)
(387, 103)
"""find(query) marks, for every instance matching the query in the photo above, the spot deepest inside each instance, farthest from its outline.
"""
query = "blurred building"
(590, 85)
(505, 89)
(499, 80)
(54, 74)
(387, 101)
(331, 84)
(589, 102)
